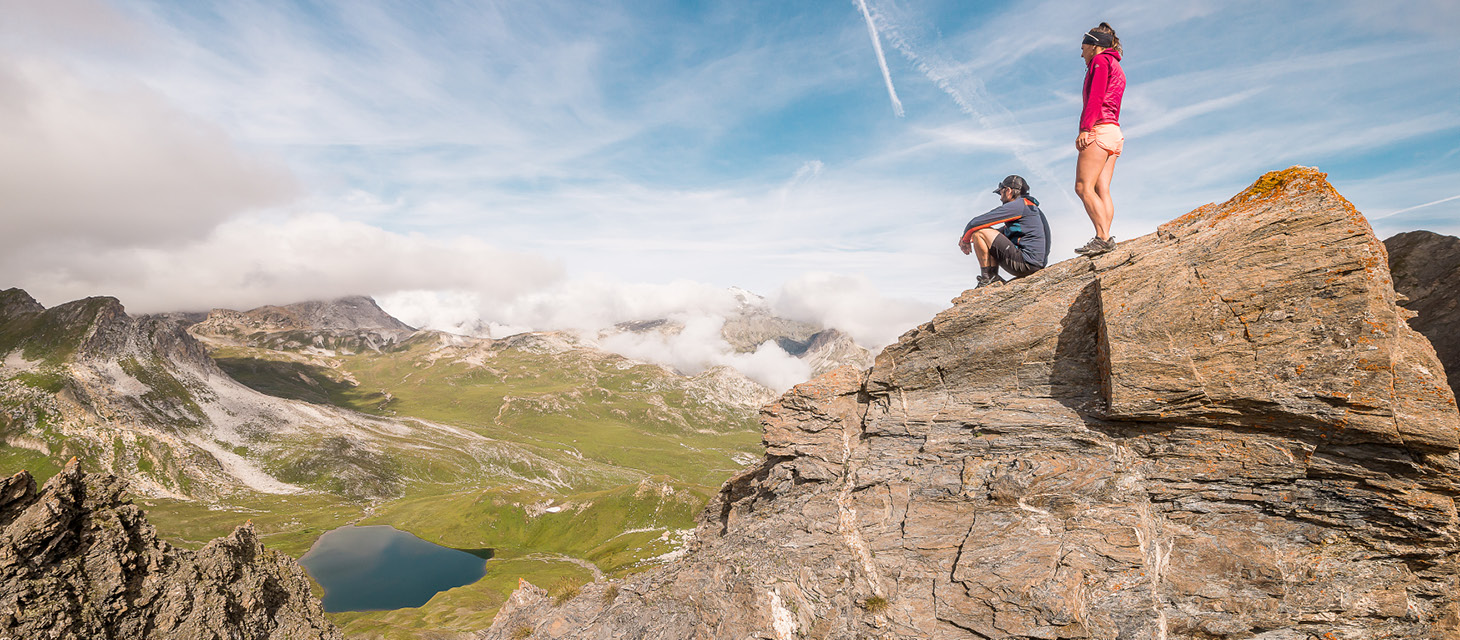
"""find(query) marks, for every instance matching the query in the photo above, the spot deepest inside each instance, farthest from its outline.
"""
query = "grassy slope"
(591, 526)
(40, 466)
(289, 524)
(624, 417)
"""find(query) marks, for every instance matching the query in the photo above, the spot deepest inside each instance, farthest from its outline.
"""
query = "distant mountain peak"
(350, 313)
(352, 324)
(16, 302)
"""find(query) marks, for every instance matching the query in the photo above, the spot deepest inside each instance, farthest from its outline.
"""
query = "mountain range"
(306, 416)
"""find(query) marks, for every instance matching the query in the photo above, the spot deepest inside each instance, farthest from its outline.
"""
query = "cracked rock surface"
(79, 560)
(1224, 429)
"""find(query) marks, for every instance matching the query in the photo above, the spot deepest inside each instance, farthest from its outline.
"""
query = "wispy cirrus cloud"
(745, 143)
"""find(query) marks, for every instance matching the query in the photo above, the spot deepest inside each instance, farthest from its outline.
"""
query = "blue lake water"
(379, 567)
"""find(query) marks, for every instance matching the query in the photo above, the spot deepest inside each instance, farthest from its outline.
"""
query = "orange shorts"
(1107, 137)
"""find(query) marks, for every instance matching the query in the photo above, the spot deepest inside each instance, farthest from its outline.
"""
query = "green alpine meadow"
(559, 462)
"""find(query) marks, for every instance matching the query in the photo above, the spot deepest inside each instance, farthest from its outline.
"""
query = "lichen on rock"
(1224, 429)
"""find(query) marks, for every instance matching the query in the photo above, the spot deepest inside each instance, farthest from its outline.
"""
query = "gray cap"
(1014, 182)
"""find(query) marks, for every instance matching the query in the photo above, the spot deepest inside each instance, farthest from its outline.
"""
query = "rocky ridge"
(79, 560)
(1426, 268)
(352, 324)
(1224, 429)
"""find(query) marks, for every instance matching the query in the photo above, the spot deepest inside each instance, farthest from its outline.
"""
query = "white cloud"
(254, 261)
(852, 304)
(590, 305)
(700, 346)
(116, 165)
(56, 24)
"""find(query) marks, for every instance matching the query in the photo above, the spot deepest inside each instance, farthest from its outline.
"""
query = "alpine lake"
(375, 568)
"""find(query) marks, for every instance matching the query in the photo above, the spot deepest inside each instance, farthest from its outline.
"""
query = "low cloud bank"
(700, 346)
(852, 304)
(255, 261)
(849, 303)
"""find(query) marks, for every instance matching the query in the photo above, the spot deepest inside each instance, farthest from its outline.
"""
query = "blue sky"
(547, 164)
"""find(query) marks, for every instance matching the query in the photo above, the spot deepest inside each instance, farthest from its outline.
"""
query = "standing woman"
(1100, 140)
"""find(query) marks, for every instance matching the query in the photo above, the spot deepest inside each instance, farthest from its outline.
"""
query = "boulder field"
(1224, 429)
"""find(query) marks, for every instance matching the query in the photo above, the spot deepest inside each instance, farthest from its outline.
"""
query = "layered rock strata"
(1224, 429)
(1426, 269)
(79, 560)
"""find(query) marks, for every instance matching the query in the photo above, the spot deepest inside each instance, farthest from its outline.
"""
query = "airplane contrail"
(973, 99)
(881, 59)
(1418, 206)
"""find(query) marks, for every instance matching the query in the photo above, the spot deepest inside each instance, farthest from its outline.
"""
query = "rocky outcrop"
(1426, 268)
(1224, 429)
(78, 560)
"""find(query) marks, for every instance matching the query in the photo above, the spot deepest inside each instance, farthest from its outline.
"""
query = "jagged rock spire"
(79, 560)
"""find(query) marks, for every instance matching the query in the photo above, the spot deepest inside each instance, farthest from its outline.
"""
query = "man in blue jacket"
(1021, 247)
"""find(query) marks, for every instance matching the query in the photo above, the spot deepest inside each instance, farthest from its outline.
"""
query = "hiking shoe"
(989, 281)
(1096, 246)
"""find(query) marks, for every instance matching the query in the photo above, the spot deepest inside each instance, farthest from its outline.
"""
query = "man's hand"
(965, 247)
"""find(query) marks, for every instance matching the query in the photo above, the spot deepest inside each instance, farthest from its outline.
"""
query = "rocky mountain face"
(351, 324)
(1426, 268)
(1224, 429)
(78, 560)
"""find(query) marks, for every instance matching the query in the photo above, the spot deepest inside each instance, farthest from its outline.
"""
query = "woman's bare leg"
(1088, 167)
(1102, 190)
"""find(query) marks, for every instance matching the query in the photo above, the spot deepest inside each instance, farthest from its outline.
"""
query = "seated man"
(1020, 247)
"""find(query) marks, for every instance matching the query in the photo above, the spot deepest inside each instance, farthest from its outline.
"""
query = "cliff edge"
(1224, 429)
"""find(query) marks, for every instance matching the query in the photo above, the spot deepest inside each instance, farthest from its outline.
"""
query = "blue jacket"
(1024, 225)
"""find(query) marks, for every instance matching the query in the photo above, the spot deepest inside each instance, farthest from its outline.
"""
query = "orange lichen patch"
(1273, 182)
(1267, 187)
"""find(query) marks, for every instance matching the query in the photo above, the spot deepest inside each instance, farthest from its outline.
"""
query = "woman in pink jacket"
(1100, 140)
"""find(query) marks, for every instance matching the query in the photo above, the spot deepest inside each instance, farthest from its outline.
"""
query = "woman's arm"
(1099, 78)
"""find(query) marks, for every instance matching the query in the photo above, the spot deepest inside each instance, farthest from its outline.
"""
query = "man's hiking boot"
(1096, 246)
(989, 281)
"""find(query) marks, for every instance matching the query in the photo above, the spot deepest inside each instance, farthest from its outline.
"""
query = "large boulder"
(1426, 268)
(1224, 429)
(79, 560)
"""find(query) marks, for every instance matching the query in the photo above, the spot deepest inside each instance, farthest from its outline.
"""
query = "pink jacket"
(1104, 87)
